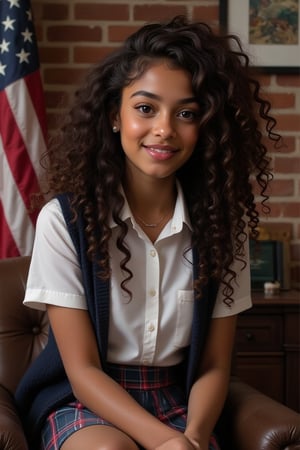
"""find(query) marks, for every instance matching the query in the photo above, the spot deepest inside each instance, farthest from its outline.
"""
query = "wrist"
(197, 438)
(161, 437)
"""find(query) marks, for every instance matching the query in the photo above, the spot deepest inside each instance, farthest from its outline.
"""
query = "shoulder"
(51, 216)
(51, 209)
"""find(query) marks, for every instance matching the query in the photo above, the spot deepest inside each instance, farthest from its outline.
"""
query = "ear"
(115, 119)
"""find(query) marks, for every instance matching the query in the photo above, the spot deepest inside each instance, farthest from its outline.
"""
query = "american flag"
(22, 127)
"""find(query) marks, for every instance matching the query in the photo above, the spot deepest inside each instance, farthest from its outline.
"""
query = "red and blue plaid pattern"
(154, 388)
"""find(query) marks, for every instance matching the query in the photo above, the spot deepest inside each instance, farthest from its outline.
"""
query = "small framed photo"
(270, 256)
(269, 31)
(266, 263)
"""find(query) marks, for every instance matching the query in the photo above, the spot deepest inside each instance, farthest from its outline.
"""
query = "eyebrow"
(158, 97)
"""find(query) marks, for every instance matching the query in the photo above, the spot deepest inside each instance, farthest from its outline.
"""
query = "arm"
(95, 389)
(209, 392)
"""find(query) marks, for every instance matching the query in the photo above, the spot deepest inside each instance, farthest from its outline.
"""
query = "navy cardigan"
(45, 386)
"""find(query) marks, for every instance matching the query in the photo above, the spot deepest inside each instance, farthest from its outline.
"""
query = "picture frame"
(270, 37)
(266, 263)
(270, 256)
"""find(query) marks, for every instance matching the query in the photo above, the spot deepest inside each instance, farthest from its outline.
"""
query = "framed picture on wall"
(268, 29)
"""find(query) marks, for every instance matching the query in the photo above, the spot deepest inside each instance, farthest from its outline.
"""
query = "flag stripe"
(14, 209)
(34, 85)
(27, 120)
(18, 159)
(7, 243)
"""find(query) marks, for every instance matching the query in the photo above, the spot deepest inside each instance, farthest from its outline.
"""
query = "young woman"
(141, 257)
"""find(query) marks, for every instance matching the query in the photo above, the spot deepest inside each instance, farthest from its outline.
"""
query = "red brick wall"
(74, 34)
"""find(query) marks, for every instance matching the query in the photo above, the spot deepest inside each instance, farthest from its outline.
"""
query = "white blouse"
(154, 326)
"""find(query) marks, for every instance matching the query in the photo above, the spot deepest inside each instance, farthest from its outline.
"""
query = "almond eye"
(145, 109)
(188, 114)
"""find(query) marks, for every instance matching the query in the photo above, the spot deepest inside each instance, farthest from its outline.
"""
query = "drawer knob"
(249, 336)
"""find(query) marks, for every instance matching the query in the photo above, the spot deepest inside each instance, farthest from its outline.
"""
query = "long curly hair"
(87, 160)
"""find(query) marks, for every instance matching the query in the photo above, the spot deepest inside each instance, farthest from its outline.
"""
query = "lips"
(160, 152)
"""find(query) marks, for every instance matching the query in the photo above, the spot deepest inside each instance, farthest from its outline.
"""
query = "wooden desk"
(268, 346)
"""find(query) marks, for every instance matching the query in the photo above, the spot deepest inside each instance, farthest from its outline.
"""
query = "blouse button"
(153, 253)
(151, 327)
(152, 292)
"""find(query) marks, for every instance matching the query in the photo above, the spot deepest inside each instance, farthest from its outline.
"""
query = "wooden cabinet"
(268, 346)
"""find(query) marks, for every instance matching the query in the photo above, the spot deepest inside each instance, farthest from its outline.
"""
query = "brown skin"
(170, 121)
(109, 400)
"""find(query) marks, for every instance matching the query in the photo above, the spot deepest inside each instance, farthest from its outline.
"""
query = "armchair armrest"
(12, 436)
(257, 422)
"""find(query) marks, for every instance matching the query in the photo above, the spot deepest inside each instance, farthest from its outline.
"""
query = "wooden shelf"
(289, 297)
(268, 346)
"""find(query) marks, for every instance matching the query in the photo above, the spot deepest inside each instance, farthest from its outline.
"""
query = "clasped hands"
(181, 442)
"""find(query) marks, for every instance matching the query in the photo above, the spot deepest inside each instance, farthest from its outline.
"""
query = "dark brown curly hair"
(87, 160)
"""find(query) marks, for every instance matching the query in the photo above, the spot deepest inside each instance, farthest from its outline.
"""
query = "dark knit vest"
(45, 386)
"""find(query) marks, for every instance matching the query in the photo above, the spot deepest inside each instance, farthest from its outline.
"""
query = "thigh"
(98, 437)
(74, 427)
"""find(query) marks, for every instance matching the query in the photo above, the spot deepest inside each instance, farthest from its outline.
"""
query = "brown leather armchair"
(252, 421)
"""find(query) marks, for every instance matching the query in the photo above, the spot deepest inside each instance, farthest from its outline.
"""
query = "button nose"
(164, 127)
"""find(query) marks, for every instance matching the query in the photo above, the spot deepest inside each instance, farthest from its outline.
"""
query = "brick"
(68, 76)
(39, 32)
(54, 121)
(74, 33)
(157, 12)
(120, 33)
(55, 11)
(281, 100)
(206, 13)
(56, 99)
(281, 209)
(54, 55)
(281, 188)
(288, 122)
(289, 165)
(101, 11)
(37, 11)
(288, 80)
(291, 209)
(283, 229)
(264, 79)
(288, 145)
(91, 55)
(49, 11)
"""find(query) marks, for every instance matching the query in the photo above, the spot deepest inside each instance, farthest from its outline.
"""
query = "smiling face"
(158, 122)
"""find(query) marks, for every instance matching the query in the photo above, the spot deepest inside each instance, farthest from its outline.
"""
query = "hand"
(179, 443)
(197, 443)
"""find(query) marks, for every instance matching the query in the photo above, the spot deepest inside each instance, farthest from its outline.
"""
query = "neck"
(151, 201)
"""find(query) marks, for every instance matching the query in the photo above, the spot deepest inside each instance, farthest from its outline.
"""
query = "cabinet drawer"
(259, 333)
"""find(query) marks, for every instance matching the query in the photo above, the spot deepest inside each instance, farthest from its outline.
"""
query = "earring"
(115, 129)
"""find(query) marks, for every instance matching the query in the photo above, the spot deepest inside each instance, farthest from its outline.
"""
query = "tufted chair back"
(23, 331)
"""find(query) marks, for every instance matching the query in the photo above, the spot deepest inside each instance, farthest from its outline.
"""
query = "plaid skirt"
(154, 388)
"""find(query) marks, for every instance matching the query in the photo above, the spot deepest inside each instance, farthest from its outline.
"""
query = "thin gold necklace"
(151, 225)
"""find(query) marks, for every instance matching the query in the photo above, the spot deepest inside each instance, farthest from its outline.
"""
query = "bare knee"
(99, 437)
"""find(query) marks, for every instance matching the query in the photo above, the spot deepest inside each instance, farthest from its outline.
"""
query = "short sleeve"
(54, 274)
(242, 290)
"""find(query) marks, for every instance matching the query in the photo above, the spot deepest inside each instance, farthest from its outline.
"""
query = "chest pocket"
(185, 307)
